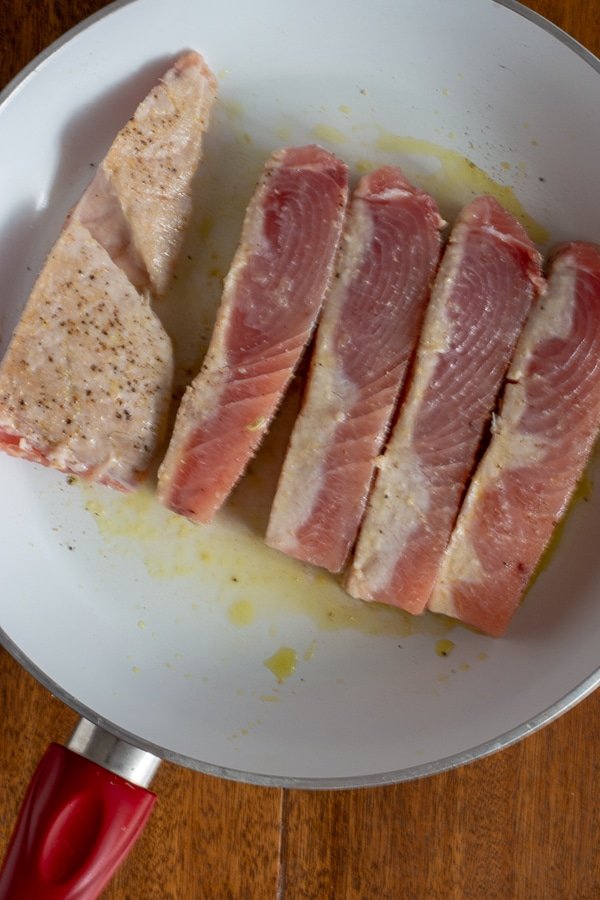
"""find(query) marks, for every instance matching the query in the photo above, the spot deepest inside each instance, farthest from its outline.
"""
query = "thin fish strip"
(489, 275)
(549, 419)
(367, 333)
(271, 299)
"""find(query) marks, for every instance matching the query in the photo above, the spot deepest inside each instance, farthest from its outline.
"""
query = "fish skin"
(85, 384)
(488, 278)
(549, 419)
(365, 338)
(271, 299)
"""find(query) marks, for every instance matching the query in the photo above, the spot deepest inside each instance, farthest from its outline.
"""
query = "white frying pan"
(197, 644)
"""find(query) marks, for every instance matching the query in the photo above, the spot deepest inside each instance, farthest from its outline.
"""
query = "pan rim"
(412, 773)
(480, 751)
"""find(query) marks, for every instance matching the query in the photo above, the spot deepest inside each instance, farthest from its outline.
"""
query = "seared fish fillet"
(549, 419)
(370, 323)
(488, 278)
(86, 381)
(271, 299)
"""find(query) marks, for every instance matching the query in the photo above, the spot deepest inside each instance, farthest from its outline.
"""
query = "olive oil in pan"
(253, 581)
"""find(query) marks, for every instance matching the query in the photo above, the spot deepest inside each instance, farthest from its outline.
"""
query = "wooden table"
(522, 824)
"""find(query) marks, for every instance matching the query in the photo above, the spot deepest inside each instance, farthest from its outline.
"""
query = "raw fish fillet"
(487, 280)
(549, 418)
(367, 332)
(86, 381)
(271, 299)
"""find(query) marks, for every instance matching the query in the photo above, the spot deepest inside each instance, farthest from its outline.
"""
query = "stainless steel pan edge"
(569, 700)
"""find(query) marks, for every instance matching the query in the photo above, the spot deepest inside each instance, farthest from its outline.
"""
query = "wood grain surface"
(522, 824)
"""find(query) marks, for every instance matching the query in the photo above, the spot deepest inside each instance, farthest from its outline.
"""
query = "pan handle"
(84, 809)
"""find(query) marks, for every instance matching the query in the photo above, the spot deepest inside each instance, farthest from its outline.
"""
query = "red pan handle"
(76, 825)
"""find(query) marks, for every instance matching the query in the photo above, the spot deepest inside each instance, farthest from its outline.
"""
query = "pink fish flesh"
(367, 332)
(271, 299)
(550, 416)
(488, 278)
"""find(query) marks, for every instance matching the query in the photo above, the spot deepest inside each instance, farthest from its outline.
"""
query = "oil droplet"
(464, 666)
(283, 663)
(456, 177)
(94, 507)
(363, 166)
(205, 227)
(241, 613)
(233, 109)
(201, 561)
(310, 651)
(506, 166)
(345, 109)
(283, 133)
(270, 698)
(482, 657)
(446, 623)
(257, 424)
(329, 134)
(444, 647)
(141, 624)
(135, 669)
